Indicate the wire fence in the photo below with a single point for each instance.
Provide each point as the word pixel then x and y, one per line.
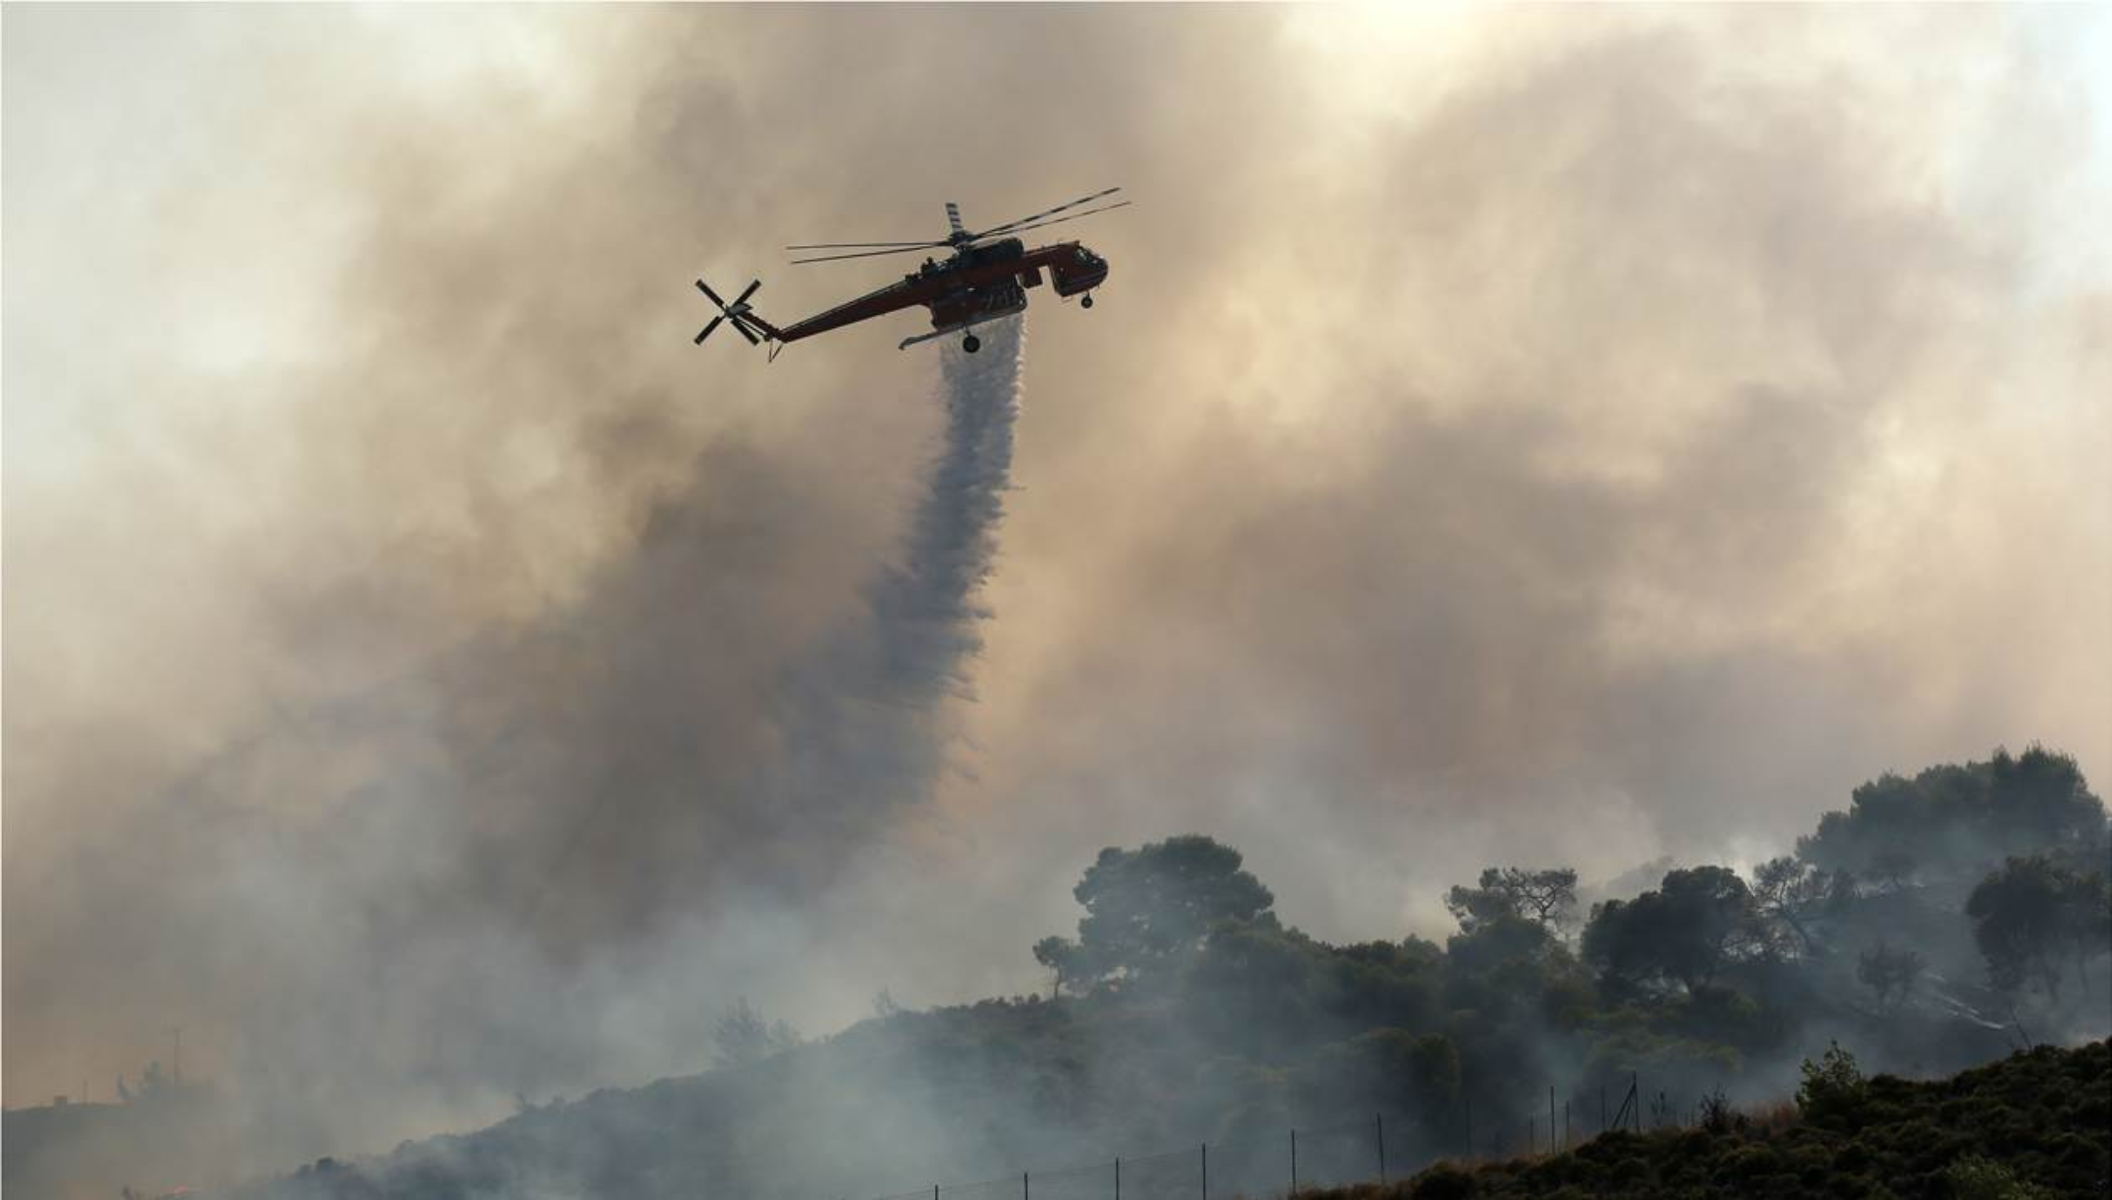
pixel 1379 1148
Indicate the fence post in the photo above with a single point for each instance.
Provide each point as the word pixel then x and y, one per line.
pixel 1206 1171
pixel 1118 1177
pixel 1550 1118
pixel 1024 1188
pixel 1379 1119
pixel 1294 1162
pixel 1565 1124
pixel 1635 1092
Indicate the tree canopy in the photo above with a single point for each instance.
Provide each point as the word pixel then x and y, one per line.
pixel 1684 931
pixel 1547 897
pixel 1959 822
pixel 2031 915
pixel 1149 907
pixel 742 1035
pixel 1793 893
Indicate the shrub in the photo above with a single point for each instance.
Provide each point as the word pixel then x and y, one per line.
pixel 1444 1182
pixel 1834 1091
pixel 1717 1115
pixel 1975 1178
pixel 1748 1162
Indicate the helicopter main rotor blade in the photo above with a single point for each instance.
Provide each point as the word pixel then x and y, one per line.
pixel 1013 225
pixel 864 245
pixel 1074 216
pixel 868 253
pixel 749 291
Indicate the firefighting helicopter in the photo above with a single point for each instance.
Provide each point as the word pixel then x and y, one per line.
pixel 985 278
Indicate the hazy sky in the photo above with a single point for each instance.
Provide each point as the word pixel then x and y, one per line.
pixel 1522 435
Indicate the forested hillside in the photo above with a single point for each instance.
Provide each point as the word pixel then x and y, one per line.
pixel 1939 922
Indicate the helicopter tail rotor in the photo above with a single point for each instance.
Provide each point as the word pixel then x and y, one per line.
pixel 739 314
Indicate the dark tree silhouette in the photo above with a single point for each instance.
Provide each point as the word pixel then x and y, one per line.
pixel 1700 919
pixel 742 1036
pixel 1893 869
pixel 1957 822
pixel 1890 972
pixel 1546 896
pixel 1149 907
pixel 2088 922
pixel 1063 958
pixel 2032 912
pixel 1791 893
pixel 2017 922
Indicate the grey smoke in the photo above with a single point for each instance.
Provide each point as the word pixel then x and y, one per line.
pixel 537 838
pixel 858 711
pixel 1674 330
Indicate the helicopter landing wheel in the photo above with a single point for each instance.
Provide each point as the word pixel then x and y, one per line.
pixel 971 343
pixel 1086 301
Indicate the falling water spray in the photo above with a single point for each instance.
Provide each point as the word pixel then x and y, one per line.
pixel 859 709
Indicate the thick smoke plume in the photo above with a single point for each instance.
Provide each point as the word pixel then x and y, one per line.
pixel 1547 436
pixel 608 745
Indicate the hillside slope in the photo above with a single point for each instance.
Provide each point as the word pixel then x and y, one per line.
pixel 2038 1124
pixel 1188 1014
